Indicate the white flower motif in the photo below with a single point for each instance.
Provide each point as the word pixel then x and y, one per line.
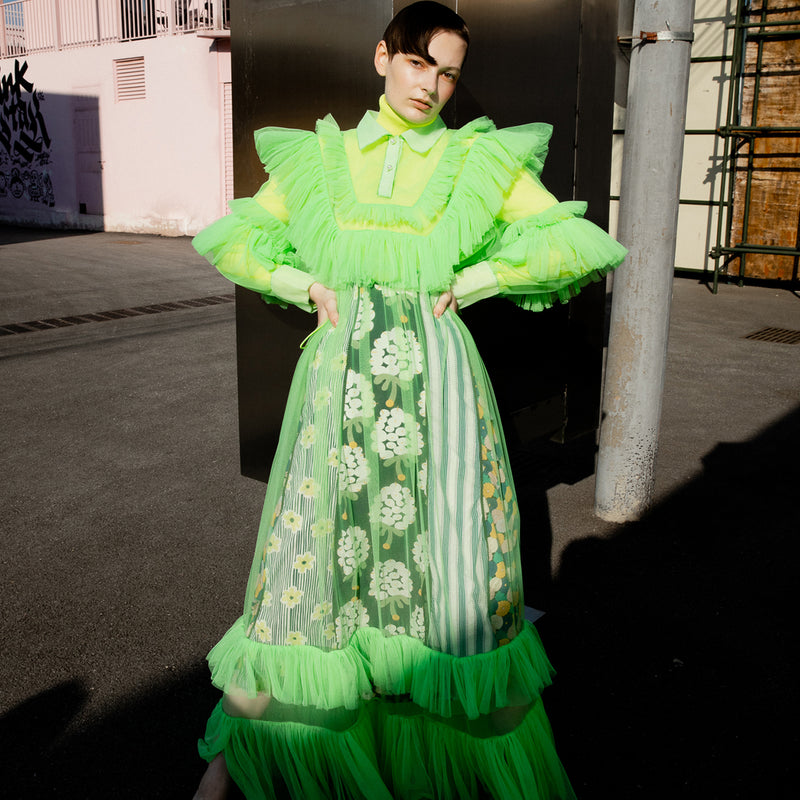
pixel 291 596
pixel 304 562
pixel 309 488
pixel 333 457
pixel 499 519
pixel 418 623
pixel 352 615
pixel 321 610
pixel 393 580
pixel 422 477
pixel 273 544
pixel 339 362
pixel 396 352
pixel 322 397
pixel 308 436
pixel 266 599
pixel 295 637
pixel 495 585
pixel 364 320
pixel 394 434
pixel 420 553
pixel 262 631
pixel 321 528
pixel 353 549
pixel 353 469
pixel 421 403
pixel 492 545
pixel 359 400
pixel 397 507
pixel 292 520
pixel 394 630
pixel 329 632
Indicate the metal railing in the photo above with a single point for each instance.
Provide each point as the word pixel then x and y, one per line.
pixel 31 26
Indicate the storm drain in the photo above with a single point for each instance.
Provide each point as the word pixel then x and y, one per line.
pixel 780 335
pixel 119 313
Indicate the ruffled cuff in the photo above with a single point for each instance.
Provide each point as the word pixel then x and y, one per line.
pixel 249 247
pixel 549 257
pixel 474 283
pixel 291 285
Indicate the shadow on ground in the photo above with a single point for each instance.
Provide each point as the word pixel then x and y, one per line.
pixel 675 641
pixel 145 748
pixel 676 638
pixel 14 234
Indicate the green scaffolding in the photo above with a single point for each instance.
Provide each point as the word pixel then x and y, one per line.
pixel 750 25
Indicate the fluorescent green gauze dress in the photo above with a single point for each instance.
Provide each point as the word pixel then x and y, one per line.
pixel 383 650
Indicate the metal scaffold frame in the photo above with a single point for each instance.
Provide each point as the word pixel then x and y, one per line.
pixel 738 135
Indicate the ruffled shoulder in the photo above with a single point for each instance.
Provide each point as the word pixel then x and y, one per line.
pixel 344 241
pixel 274 145
pixel 525 144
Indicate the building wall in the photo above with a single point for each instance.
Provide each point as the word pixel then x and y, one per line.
pixel 74 155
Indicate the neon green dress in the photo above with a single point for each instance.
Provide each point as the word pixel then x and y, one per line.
pixel 383 650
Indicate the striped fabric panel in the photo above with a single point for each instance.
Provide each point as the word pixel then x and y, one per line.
pixel 459 622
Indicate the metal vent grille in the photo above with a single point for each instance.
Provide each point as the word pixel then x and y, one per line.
pixel 119 313
pixel 780 335
pixel 129 79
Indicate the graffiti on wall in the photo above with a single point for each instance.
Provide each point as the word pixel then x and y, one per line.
pixel 24 140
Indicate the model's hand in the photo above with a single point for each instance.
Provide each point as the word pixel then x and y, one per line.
pixel 325 300
pixel 446 300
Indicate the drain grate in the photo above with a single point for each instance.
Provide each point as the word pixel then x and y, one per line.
pixel 119 313
pixel 780 335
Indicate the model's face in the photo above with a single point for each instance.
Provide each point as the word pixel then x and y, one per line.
pixel 416 88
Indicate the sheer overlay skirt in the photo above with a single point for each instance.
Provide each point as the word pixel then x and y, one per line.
pixel 383 651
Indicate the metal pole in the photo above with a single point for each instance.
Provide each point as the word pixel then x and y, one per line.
pixel 642 288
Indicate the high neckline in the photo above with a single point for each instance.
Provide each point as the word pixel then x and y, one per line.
pixel 375 126
pixel 395 124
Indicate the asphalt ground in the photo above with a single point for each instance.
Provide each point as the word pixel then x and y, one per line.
pixel 127 531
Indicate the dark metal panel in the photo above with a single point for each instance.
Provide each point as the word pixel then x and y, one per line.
pixel 595 97
pixel 292 63
pixel 296 61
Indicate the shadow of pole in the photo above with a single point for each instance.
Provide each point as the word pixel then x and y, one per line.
pixel 676 637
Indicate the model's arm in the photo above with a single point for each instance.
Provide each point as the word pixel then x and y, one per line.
pixel 250 248
pixel 546 252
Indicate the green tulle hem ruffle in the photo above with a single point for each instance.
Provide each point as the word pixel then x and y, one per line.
pixel 276 760
pixel 390 751
pixel 513 674
pixel 427 758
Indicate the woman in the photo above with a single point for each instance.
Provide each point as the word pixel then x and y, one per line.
pixel 383 650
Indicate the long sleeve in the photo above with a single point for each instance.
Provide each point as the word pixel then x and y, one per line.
pixel 250 247
pixel 545 252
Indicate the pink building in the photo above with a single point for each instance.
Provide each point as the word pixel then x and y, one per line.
pixel 115 114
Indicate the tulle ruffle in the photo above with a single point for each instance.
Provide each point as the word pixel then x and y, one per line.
pixel 274 760
pixel 514 674
pixel 423 757
pixel 552 255
pixel 347 243
pixel 391 750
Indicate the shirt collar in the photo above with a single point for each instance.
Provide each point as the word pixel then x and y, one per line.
pixel 375 126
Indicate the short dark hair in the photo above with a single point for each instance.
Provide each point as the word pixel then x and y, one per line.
pixel 413 27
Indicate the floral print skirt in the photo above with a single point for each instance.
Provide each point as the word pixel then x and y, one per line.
pixel 396 508
pixel 386 568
